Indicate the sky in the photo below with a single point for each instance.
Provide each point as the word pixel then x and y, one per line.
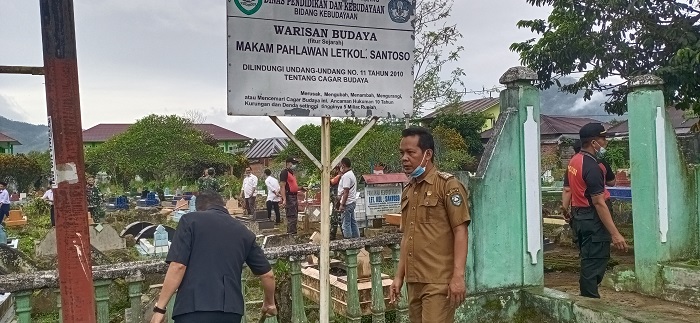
pixel 137 58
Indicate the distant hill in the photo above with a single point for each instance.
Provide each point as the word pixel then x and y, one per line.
pixel 32 137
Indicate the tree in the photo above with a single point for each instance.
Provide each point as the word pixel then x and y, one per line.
pixel 451 150
pixel 433 37
pixel 43 159
pixel 467 125
pixel 614 39
pixel 20 170
pixel 159 148
pixel 379 145
pixel 342 132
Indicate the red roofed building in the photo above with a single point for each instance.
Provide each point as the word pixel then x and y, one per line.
pixel 228 140
pixel 554 130
pixel 7 144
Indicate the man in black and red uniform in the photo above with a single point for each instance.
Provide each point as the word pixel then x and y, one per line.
pixel 566 193
pixel 595 229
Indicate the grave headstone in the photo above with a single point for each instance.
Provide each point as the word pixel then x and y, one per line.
pixel 182 204
pixel 192 204
pixel 14 261
pixel 106 239
pixel 148 232
pixel 16 218
pixel 160 245
pixel 160 236
pixel 166 191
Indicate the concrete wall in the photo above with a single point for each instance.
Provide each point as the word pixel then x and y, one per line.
pixel 664 191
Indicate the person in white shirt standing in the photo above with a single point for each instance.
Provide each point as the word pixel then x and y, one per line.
pixel 249 190
pixel 273 196
pixel 347 189
pixel 48 197
pixel 4 201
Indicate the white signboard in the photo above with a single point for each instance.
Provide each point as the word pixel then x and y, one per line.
pixel 381 200
pixel 320 57
pixel 52 152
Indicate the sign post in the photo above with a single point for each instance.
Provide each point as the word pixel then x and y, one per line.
pixel 321 58
pixel 63 104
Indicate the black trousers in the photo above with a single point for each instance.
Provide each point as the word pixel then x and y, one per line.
pixel 292 213
pixel 4 211
pixel 272 205
pixel 572 224
pixel 208 317
pixel 594 246
pixel 53 217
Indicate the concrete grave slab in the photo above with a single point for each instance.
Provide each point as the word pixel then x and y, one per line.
pixel 278 240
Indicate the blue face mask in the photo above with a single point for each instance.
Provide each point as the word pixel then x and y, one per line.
pixel 600 152
pixel 420 169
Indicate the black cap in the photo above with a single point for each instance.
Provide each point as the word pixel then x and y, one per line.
pixel 292 160
pixel 592 130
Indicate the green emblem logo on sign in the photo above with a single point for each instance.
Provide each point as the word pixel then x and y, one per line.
pixel 248 7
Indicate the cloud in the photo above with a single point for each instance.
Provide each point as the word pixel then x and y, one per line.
pixel 10 109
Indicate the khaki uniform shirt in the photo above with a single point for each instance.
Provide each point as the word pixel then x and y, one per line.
pixel 430 208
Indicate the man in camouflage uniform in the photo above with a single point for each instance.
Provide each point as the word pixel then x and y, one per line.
pixel 208 181
pixel 94 199
pixel 335 214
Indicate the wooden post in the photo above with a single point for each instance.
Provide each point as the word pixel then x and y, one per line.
pixel 63 107
pixel 325 260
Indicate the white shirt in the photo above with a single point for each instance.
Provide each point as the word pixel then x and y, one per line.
pixel 348 180
pixel 272 186
pixel 250 185
pixel 48 195
pixel 4 197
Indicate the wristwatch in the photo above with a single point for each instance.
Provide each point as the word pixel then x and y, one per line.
pixel 159 310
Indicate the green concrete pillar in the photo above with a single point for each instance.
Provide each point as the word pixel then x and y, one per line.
pixel 298 308
pixel 102 300
pixel 378 305
pixel 505 236
pixel 23 306
pixel 58 305
pixel 402 306
pixel 352 299
pixel 135 284
pixel 664 196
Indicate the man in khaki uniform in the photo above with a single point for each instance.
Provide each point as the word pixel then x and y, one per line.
pixel 434 220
